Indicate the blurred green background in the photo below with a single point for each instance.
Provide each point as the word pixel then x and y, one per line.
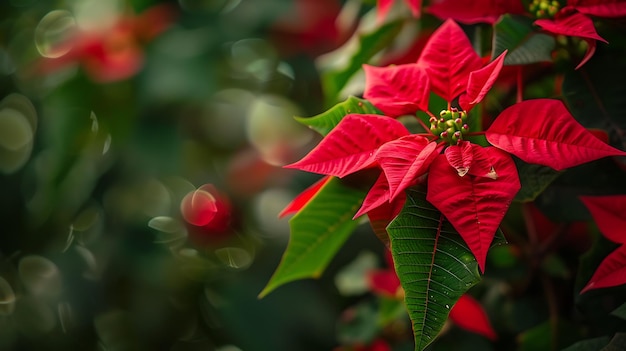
pixel 111 113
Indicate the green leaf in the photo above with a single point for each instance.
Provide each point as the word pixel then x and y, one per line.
pixel 594 344
pixel 317 233
pixel 367 45
pixel 434 265
pixel 352 279
pixel 390 310
pixel 326 121
pixel 549 336
pixel 361 326
pixel 617 343
pixel 620 312
pixel 534 179
pixel 595 94
pixel 525 45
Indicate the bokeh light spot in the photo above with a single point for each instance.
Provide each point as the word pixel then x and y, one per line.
pixel 52 33
pixel 199 207
pixel 7 298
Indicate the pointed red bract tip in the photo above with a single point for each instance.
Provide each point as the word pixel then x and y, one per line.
pixel 300 201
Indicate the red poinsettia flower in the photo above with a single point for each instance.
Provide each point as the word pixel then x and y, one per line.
pixel 467 313
pixel 208 213
pixel 385 5
pixel 571 20
pixel 115 52
pixel 608 212
pixel 470 184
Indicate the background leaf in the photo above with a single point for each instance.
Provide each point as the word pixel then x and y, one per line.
pixel 589 344
pixel 434 265
pixel 595 94
pixel 317 232
pixel 534 179
pixel 525 45
pixel 326 121
pixel 368 44
pixel 548 336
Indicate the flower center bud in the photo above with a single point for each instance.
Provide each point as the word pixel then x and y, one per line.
pixel 544 8
pixel 450 126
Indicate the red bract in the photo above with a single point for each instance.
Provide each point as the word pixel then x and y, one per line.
pixel 542 131
pixel 480 82
pixel 608 213
pixel 112 53
pixel 600 8
pixel 351 145
pixel 574 25
pixel 378 196
pixel 571 20
pixel 474 204
pixel 385 5
pixel 397 90
pixel 448 66
pixel 405 160
pixel 471 185
pixel 303 198
pixel 470 12
pixel 449 58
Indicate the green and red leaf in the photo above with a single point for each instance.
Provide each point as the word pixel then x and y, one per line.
pixel 542 131
pixel 397 90
pixel 351 145
pixel 449 58
pixel 475 205
pixel 404 160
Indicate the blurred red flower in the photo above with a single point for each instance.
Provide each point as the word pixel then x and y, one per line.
pixel 376 345
pixel 313 27
pixel 114 52
pixel 208 213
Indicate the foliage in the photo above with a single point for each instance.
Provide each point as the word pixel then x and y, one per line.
pixel 475 148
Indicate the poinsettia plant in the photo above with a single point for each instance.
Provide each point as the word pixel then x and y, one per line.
pixel 416 157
